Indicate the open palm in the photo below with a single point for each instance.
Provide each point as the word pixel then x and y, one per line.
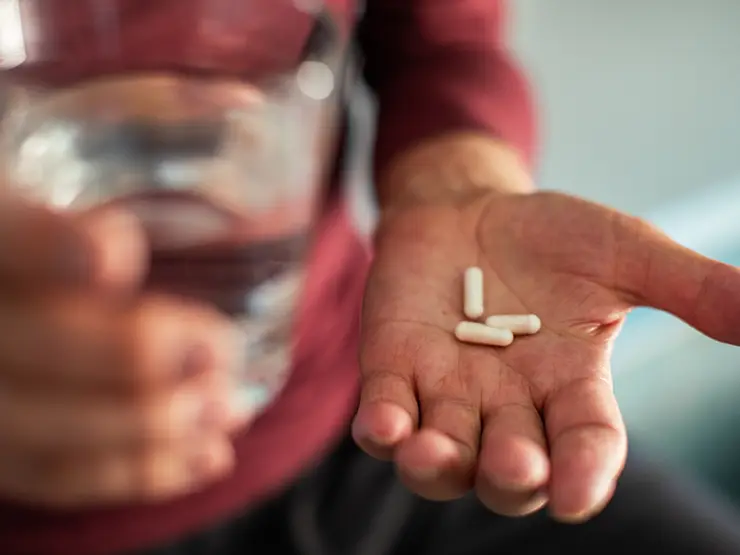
pixel 537 421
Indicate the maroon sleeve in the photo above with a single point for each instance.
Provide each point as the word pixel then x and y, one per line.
pixel 441 66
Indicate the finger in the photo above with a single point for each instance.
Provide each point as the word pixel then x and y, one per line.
pixel 49 422
pixel 513 466
pixel 388 411
pixel 77 343
pixel 40 248
pixel 387 414
pixel 588 448
pixel 119 248
pixel 439 461
pixel 91 479
pixel 657 272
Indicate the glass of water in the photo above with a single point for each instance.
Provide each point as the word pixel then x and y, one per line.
pixel 212 120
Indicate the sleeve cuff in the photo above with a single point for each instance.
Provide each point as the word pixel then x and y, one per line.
pixel 458 92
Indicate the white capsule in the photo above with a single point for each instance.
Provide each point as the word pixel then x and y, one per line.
pixel 518 324
pixel 480 334
pixel 473 293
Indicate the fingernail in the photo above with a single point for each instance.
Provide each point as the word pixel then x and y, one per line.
pixel 602 496
pixel 573 518
pixel 384 424
pixel 600 499
pixel 537 502
pixel 120 257
pixel 438 448
pixel 363 431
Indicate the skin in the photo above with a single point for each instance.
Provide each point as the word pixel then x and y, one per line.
pixel 119 396
pixel 535 423
pixel 113 397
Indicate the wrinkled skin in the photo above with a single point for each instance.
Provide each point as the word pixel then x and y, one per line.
pixel 535 423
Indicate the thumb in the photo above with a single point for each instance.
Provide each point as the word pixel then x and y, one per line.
pixel 118 245
pixel 42 248
pixel 657 272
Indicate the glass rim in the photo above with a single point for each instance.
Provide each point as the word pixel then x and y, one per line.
pixel 31 48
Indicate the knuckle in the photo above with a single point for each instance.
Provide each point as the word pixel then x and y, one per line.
pixel 446 408
pixel 384 385
pixel 458 418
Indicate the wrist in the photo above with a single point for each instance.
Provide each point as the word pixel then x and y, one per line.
pixel 451 167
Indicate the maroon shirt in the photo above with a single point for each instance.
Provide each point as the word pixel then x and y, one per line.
pixel 437 66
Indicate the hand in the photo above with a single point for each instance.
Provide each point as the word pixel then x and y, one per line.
pixel 105 397
pixel 535 422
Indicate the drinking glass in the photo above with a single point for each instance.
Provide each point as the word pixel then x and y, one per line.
pixel 211 120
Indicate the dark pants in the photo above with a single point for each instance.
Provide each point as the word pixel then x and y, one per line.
pixel 352 505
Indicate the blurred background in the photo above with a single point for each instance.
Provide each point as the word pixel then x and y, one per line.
pixel 640 109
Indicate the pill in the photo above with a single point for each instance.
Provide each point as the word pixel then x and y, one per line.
pixel 473 293
pixel 518 324
pixel 481 334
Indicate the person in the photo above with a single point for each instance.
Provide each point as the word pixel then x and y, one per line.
pixel 467 445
